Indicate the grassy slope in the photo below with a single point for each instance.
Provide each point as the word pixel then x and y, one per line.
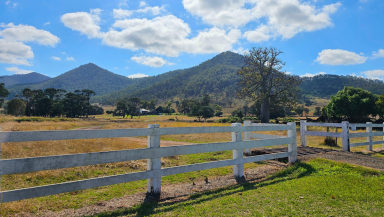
pixel 317 188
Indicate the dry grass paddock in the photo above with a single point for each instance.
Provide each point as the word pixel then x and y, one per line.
pixel 76 199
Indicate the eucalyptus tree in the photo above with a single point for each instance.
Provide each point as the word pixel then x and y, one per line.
pixel 261 79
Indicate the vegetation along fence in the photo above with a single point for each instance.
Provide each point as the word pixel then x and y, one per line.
pixel 345 134
pixel 153 154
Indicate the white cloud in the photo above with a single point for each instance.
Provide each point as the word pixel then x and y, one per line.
pixel 240 50
pixel 283 17
pixel 18 71
pixel 121 13
pixel 138 75
pixel 374 74
pixel 70 58
pixel 24 33
pixel 149 61
pixel 167 35
pixel 13 52
pixel 115 67
pixel 142 4
pixel 126 67
pixel 340 57
pixel 7 2
pixel 378 54
pixel 86 23
pixel 47 23
pixel 55 58
pixel 312 75
pixel 123 3
pixel 262 33
pixel 154 10
pixel 63 52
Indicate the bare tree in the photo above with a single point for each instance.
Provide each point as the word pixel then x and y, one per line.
pixel 261 79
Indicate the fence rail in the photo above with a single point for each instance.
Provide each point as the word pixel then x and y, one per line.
pixel 153 154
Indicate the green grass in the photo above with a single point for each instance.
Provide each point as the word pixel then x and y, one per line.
pixel 317 188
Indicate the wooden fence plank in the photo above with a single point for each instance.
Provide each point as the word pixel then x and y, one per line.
pixel 354 135
pixel 265 136
pixel 316 133
pixel 365 143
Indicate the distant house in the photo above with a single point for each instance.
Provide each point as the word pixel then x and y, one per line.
pixel 145 111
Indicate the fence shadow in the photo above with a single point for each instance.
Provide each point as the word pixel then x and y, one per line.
pixel 152 207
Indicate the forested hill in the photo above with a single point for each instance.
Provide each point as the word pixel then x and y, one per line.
pixel 325 85
pixel 32 77
pixel 216 76
pixel 88 76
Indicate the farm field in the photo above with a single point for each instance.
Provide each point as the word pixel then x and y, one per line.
pixel 88 197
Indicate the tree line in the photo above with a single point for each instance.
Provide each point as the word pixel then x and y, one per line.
pixel 53 102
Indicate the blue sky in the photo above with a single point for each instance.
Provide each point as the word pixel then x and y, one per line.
pixel 152 37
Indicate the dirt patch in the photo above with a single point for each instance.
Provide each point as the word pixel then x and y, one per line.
pixel 350 158
pixel 169 193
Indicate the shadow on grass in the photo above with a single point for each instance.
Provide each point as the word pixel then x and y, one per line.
pixel 296 171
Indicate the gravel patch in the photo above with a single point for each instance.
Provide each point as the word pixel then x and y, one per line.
pixel 350 158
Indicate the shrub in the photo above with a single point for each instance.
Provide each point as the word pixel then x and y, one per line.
pixel 330 141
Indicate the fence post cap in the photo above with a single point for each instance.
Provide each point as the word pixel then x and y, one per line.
pixel 235 124
pixel 247 122
pixel 303 121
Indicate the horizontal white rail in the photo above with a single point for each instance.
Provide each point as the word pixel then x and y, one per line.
pixel 265 136
pixel 97 134
pixel 323 124
pixel 46 190
pixel 366 125
pixel 366 143
pixel 354 135
pixel 23 165
pixel 316 133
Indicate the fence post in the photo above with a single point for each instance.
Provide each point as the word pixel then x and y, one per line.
pixel 154 184
pixel 238 169
pixel 370 137
pixel 303 129
pixel 247 137
pixel 345 132
pixel 293 146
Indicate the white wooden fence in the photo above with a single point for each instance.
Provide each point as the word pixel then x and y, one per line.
pixel 153 153
pixel 345 133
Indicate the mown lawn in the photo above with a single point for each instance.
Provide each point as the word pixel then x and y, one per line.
pixel 317 188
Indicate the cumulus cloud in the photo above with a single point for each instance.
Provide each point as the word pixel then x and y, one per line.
pixel 18 71
pixel 55 58
pixel 47 23
pixel 262 33
pixel 86 23
pixel 168 35
pixel 149 61
pixel 138 75
pixel 154 10
pixel 378 54
pixel 283 17
pixel 121 13
pixel 340 57
pixel 312 75
pixel 13 52
pixel 25 33
pixel 374 74
pixel 70 58
pixel 142 4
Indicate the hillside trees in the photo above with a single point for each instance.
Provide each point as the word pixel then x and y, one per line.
pixel 261 80
pixel 3 93
pixel 16 107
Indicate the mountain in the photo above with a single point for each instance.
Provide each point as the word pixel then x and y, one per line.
pixel 215 76
pixel 88 76
pixel 32 77
pixel 325 85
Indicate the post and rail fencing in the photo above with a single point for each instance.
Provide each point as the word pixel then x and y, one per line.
pixel 345 133
pixel 153 154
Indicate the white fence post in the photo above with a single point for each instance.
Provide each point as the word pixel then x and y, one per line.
pixel 369 138
pixel 345 131
pixel 154 184
pixel 293 146
pixel 303 129
pixel 238 169
pixel 247 137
